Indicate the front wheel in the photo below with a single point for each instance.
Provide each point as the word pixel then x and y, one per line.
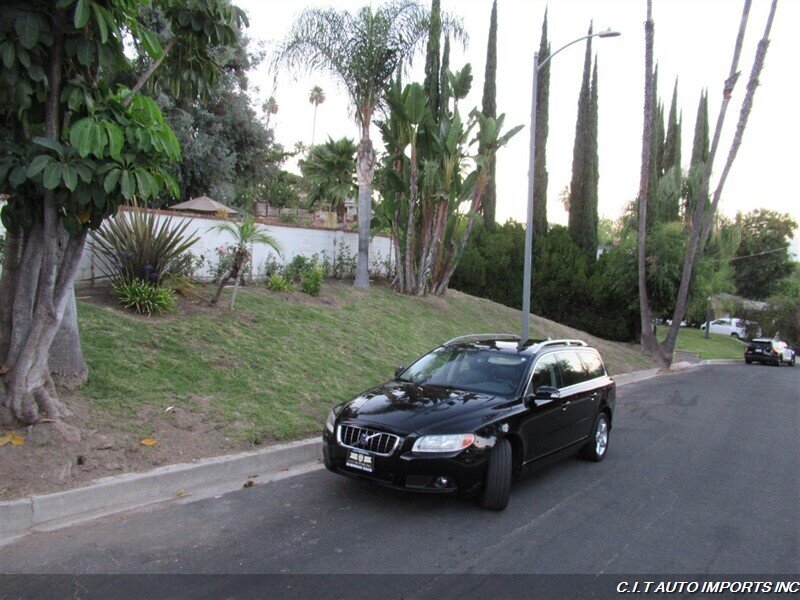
pixel 597 446
pixel 497 486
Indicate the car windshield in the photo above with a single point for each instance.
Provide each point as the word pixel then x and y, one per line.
pixel 486 371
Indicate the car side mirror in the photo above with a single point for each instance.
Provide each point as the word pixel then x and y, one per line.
pixel 542 395
pixel 399 370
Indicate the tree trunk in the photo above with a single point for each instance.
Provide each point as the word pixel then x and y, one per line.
pixel 48 262
pixel 236 289
pixel 365 169
pixel 65 361
pixel 648 338
pixel 744 114
pixel 692 246
pixel 412 203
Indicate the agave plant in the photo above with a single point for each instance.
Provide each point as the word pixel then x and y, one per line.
pixel 244 234
pixel 137 245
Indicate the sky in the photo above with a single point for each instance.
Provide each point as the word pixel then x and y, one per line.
pixel 694 42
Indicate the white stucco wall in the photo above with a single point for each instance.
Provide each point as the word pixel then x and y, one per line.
pixel 293 240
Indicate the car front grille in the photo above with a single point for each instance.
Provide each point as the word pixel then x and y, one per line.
pixel 361 438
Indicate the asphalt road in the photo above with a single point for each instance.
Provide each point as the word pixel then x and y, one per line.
pixel 702 476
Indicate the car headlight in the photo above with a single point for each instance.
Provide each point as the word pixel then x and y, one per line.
pixel 443 443
pixel 331 421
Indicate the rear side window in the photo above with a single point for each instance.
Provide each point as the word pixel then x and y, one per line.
pixel 545 373
pixel 594 366
pixel 572 370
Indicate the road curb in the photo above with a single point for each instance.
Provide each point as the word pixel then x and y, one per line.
pixel 134 490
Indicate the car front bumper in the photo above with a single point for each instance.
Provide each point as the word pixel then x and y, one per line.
pixel 404 470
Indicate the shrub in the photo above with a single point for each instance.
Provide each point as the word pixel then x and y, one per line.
pixel 145 298
pixel 312 281
pixel 279 283
pixel 298 267
pixel 135 245
pixel 344 263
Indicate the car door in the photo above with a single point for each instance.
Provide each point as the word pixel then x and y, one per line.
pixel 578 398
pixel 542 423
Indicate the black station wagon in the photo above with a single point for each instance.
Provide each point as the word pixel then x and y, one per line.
pixel 469 415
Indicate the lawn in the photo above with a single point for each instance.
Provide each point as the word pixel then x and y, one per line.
pixel 717 346
pixel 271 369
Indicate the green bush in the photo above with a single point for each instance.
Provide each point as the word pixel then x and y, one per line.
pixel 298 267
pixel 312 281
pixel 145 298
pixel 279 283
pixel 134 245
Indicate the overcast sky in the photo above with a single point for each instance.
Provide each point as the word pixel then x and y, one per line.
pixel 693 41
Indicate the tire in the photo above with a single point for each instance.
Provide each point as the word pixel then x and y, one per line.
pixel 748 361
pixel 735 335
pixel 597 446
pixel 497 485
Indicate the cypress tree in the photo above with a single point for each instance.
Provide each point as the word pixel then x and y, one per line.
pixel 542 129
pixel 593 172
pixel 431 83
pixel 672 143
pixel 489 109
pixel 700 144
pixel 700 149
pixel 669 197
pixel 578 199
pixel 445 86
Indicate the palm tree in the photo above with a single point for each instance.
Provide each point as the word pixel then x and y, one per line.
pixel 245 234
pixel 363 50
pixel 328 174
pixel 316 97
pixel 270 107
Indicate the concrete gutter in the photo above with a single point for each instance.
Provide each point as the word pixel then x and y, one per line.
pixel 192 481
pixel 182 482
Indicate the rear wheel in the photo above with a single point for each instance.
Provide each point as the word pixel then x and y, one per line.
pixel 597 446
pixel 497 486
pixel 748 361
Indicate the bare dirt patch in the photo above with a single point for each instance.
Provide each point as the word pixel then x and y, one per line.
pixel 54 458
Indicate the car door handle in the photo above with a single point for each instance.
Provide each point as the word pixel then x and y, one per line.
pixel 565 404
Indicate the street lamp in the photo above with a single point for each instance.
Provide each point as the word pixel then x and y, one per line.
pixel 526 283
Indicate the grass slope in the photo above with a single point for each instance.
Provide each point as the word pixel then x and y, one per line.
pixel 271 369
pixel 694 340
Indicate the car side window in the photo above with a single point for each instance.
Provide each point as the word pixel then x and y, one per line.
pixel 572 370
pixel 593 363
pixel 545 373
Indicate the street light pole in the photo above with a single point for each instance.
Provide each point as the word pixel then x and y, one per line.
pixel 526 282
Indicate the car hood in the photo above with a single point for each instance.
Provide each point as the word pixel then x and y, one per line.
pixel 424 409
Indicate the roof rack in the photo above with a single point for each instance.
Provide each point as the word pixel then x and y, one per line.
pixel 562 342
pixel 483 337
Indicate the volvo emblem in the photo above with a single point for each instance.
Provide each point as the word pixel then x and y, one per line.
pixel 362 439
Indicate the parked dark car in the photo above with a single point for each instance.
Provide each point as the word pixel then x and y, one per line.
pixel 469 415
pixel 773 352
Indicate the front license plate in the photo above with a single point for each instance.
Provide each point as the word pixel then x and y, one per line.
pixel 361 461
pixel 759 351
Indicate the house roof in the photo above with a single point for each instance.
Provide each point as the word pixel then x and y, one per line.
pixel 203 204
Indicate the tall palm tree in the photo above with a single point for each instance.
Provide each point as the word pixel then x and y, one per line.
pixel 316 97
pixel 271 108
pixel 363 50
pixel 245 234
